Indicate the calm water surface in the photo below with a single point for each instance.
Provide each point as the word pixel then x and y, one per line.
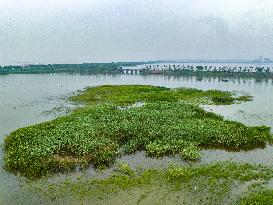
pixel 29 99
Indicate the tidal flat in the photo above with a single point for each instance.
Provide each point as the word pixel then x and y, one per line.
pixel 166 122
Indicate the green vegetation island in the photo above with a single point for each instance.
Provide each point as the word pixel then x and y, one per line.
pixel 119 120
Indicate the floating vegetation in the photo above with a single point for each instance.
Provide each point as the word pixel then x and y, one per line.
pixel 191 153
pixel 130 94
pixel 168 122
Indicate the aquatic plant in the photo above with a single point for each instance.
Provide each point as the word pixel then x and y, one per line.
pixel 129 94
pixel 96 134
pixel 259 197
pixel 191 153
pixel 202 184
pixel 125 169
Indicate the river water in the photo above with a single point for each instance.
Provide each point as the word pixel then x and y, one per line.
pixel 27 99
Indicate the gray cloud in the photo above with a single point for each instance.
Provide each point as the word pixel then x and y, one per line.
pixel 123 30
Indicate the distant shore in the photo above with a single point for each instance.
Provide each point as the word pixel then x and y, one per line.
pixel 144 68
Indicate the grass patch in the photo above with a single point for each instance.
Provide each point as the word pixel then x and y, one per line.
pixel 100 132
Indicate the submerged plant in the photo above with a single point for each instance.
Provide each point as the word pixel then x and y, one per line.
pixel 258 197
pixel 217 183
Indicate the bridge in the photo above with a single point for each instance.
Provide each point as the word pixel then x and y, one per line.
pixel 131 71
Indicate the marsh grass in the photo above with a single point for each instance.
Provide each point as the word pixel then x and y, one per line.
pixel 169 122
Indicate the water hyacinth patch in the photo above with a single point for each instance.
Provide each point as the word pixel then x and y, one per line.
pixel 190 153
pixel 100 132
pixel 129 94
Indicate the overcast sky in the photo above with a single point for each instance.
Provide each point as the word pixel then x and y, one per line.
pixel 59 31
